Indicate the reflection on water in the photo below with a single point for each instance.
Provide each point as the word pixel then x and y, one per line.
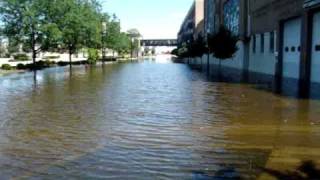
pixel 148 120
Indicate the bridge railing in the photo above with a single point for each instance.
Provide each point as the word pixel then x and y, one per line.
pixel 158 42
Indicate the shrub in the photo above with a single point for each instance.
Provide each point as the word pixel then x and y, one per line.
pixel 183 52
pixel 223 45
pixel 62 63
pixel 6 67
pixel 175 51
pixel 48 63
pixel 39 65
pixel 51 57
pixel 21 57
pixel 197 48
pixel 21 66
pixel 93 56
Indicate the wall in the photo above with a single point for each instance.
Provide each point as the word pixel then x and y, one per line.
pixel 266 14
pixel 263 62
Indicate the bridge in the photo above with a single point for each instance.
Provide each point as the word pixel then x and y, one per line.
pixel 158 42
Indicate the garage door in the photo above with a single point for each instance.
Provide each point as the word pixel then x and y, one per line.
pixel 315 58
pixel 291 48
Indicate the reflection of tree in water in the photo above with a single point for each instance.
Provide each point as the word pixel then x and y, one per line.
pixel 307 170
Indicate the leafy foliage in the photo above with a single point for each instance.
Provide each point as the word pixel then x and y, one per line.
pixel 223 44
pixel 60 26
pixel 26 23
pixel 21 57
pixel 93 56
pixel 197 48
pixel 6 67
pixel 123 45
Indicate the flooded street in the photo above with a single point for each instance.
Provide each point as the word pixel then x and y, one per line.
pixel 148 120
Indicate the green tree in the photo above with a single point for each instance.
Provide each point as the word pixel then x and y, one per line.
pixel 93 56
pixel 26 23
pixel 197 48
pixel 80 25
pixel 223 44
pixel 13 46
pixel 113 33
pixel 123 45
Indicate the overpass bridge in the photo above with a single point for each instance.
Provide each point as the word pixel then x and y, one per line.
pixel 158 42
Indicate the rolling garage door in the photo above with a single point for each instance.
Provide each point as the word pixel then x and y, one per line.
pixel 315 57
pixel 291 48
pixel 291 56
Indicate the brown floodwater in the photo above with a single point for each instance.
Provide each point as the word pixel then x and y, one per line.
pixel 148 120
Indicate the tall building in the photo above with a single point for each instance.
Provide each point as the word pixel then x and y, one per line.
pixel 210 19
pixel 193 25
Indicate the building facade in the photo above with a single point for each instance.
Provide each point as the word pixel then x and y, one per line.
pixel 193 25
pixel 279 42
pixel 210 22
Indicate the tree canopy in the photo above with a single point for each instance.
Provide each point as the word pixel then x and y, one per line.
pixel 223 44
pixel 67 25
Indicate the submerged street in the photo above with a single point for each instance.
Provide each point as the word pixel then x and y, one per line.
pixel 151 119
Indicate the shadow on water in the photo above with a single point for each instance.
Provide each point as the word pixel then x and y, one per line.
pixel 228 173
pixel 307 170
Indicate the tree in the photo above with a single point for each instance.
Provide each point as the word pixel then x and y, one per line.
pixel 223 44
pixel 134 33
pixel 146 50
pixel 26 23
pixel 183 51
pixel 80 25
pixel 113 33
pixel 153 51
pixel 197 48
pixel 123 45
pixel 175 52
pixel 2 47
pixel 13 46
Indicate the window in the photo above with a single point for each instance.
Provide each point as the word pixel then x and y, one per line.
pixel 231 15
pixel 262 43
pixel 254 43
pixel 272 42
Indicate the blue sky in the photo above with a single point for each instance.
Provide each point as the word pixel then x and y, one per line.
pixel 153 18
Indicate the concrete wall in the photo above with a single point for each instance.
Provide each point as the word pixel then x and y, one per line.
pixel 266 14
pixel 264 63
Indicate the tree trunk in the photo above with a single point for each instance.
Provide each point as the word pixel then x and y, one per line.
pixel 34 56
pixel 34 51
pixel 70 57
pixel 103 55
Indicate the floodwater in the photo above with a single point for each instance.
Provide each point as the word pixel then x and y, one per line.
pixel 148 120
